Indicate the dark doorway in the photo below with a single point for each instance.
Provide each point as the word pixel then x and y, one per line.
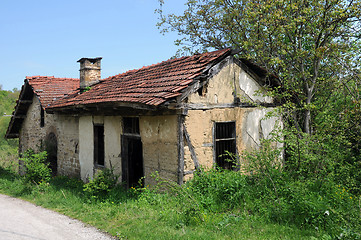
pixel 132 161
pixel 99 145
pixel 51 147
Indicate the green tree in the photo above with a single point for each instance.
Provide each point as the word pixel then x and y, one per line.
pixel 302 42
pixel 313 47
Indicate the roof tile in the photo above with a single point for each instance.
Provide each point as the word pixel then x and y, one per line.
pixel 151 85
pixel 49 89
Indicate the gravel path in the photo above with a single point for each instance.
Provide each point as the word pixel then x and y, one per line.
pixel 22 220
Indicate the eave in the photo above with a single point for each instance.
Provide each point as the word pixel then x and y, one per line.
pixel 21 109
pixel 113 109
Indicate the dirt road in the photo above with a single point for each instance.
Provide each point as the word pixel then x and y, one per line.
pixel 23 220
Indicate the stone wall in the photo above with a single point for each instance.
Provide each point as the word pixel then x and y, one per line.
pixel 65 128
pixel 31 134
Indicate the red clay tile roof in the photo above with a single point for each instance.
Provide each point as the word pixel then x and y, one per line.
pixel 50 89
pixel 47 89
pixel 151 85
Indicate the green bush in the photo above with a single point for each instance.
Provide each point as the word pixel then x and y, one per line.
pixel 100 186
pixel 35 166
pixel 218 189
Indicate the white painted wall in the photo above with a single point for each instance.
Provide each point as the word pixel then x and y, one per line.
pixel 86 152
pixel 250 87
pixel 112 142
pixel 257 126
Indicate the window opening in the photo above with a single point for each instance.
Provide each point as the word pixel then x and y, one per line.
pixel 225 141
pixel 131 125
pixel 202 90
pixel 42 117
pixel 99 145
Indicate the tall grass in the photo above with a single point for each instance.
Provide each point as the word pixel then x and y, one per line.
pixel 214 205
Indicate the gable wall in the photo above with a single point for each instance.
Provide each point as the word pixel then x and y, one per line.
pixel 216 106
pixel 230 82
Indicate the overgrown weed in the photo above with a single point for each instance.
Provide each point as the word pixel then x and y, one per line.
pixel 215 200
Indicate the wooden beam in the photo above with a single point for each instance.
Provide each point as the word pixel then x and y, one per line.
pixel 25 101
pixel 188 172
pixel 205 106
pixel 12 135
pixel 180 150
pixel 20 116
pixel 191 148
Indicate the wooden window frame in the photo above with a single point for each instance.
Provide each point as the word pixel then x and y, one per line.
pixel 131 126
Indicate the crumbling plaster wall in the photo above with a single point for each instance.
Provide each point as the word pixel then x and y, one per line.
pixel 68 145
pixel 229 82
pixel 160 146
pixel 86 147
pixel 159 139
pixel 252 124
pixel 113 128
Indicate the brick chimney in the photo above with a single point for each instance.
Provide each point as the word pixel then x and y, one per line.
pixel 89 71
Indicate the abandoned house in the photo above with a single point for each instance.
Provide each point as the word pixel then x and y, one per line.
pixel 170 117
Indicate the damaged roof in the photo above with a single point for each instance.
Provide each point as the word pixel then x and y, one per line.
pixel 147 87
pixel 50 89
pixel 150 85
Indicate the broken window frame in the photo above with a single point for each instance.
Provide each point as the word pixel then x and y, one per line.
pixel 99 145
pixel 131 126
pixel 225 140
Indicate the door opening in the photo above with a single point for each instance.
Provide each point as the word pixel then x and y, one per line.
pixel 132 153
pixel 132 161
pixel 51 147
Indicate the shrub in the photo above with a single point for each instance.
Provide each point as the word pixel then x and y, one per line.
pixel 101 184
pixel 218 189
pixel 35 167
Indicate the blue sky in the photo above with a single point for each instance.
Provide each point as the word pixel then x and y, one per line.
pixel 46 37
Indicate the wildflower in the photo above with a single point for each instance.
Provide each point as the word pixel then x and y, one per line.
pixel 327 213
